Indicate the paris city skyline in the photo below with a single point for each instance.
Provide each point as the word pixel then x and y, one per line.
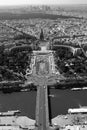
pixel 40 2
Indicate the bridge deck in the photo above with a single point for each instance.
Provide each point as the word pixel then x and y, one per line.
pixel 42 112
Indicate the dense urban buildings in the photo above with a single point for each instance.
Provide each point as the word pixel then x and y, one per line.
pixel 43 47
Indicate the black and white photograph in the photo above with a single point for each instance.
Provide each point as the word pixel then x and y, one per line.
pixel 43 64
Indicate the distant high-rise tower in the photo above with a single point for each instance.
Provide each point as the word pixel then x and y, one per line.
pixel 41 35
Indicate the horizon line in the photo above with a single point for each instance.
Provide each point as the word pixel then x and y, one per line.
pixel 43 4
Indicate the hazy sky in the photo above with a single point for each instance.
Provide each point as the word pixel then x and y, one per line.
pixel 21 2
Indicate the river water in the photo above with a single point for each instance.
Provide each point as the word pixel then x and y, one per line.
pixel 23 101
pixel 60 101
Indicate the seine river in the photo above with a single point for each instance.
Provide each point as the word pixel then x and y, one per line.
pixel 60 101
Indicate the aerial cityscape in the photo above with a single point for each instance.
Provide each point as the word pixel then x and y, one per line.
pixel 43 67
